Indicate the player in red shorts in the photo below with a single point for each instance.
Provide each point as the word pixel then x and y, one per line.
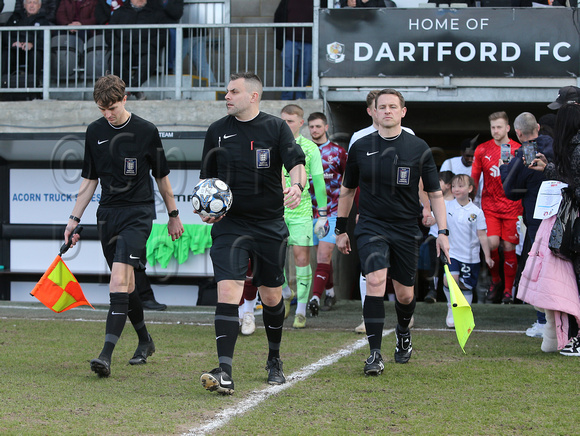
pixel 500 213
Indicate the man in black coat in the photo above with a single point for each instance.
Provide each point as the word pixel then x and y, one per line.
pixel 135 51
pixel 24 48
pixel 522 183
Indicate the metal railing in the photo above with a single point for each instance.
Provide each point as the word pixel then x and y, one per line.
pixel 64 65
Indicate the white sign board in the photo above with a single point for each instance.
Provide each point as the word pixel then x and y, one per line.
pixel 45 196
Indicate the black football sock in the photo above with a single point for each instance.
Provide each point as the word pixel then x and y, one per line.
pixel 404 314
pixel 227 325
pixel 374 316
pixel 273 321
pixel 116 319
pixel 137 318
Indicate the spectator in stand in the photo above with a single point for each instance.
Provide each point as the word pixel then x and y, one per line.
pixel 333 163
pixel 501 214
pixel 174 11
pixel 522 183
pixel 24 47
pixel 48 9
pixel 135 51
pixel 195 45
pixel 105 9
pixel 77 13
pixel 297 48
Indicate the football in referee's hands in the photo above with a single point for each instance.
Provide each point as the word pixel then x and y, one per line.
pixel 211 198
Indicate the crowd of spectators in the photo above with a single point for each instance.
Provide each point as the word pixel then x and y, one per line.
pixel 133 54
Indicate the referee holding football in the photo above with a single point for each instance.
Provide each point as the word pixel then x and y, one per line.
pixel 247 149
pixel 388 165
pixel 122 150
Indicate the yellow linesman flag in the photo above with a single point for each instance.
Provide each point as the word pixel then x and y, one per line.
pixel 58 289
pixel 462 314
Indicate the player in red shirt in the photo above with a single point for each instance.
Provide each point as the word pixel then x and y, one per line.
pixel 501 214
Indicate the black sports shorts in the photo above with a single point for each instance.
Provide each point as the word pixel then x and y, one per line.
pixel 124 231
pixel 389 245
pixel 235 241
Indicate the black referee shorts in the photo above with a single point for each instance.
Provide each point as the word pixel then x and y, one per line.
pixel 123 232
pixel 235 241
pixel 389 245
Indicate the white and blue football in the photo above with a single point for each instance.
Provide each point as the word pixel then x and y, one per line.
pixel 211 198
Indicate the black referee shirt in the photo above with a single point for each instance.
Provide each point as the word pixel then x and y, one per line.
pixel 248 156
pixel 388 172
pixel 124 158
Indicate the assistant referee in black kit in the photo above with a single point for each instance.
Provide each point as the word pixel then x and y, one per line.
pixel 247 149
pixel 387 165
pixel 122 151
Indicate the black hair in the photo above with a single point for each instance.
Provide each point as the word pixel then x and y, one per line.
pixel 567 126
pixel 446 176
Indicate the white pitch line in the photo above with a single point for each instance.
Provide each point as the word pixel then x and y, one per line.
pixel 87 309
pixel 257 397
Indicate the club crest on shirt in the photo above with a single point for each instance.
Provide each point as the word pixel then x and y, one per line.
pixel 263 158
pixel 472 218
pixel 130 166
pixel 403 174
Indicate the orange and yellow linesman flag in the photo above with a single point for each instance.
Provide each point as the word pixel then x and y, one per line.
pixel 58 289
pixel 462 314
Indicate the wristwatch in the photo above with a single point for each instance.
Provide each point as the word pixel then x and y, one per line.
pixel 443 232
pixel 299 186
pixel 174 213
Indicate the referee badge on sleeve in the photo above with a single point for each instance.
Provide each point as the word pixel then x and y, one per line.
pixel 263 158
pixel 403 174
pixel 130 166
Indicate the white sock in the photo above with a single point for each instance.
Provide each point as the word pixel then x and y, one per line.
pixel 363 289
pixel 315 297
pixel 240 311
pixel 250 305
pixel 468 294
pixel 301 308
pixel 286 292
pixel 330 292
pixel 447 293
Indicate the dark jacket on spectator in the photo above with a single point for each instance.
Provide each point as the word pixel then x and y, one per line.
pixel 74 10
pixel 173 9
pixel 48 9
pixel 18 19
pixel 522 183
pixel 105 9
pixel 127 14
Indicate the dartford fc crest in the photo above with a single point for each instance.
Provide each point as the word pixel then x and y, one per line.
pixel 335 52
